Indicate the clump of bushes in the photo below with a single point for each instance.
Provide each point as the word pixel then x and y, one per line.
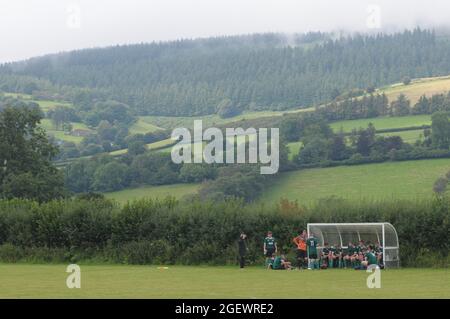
pixel 200 232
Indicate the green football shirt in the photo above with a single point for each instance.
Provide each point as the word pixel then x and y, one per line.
pixel 277 263
pixel 372 260
pixel 270 243
pixel 351 250
pixel 312 243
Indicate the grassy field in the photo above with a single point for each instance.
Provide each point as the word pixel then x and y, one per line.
pixel 399 180
pixel 151 146
pixel 142 126
pixel 46 123
pixel 417 88
pixel 407 136
pixel 160 144
pixel 170 122
pixel 381 123
pixel 402 180
pixel 294 148
pixel 45 105
pixel 176 190
pixel 118 281
pixel 59 134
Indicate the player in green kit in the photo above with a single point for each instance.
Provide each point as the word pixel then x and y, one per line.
pixel 345 258
pixel 270 246
pixel 281 263
pixel 335 256
pixel 369 258
pixel 325 256
pixel 379 253
pixel 276 263
pixel 353 253
pixel 311 244
pixel 348 255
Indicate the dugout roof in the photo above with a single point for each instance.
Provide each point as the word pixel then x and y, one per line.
pixel 340 234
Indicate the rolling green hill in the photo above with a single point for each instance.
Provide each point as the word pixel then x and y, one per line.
pixel 402 180
pixel 260 71
pixel 145 124
pixel 413 91
pixel 399 180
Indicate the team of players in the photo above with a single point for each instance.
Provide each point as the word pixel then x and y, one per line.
pixel 311 256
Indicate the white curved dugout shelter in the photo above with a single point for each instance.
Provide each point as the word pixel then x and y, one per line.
pixel 341 234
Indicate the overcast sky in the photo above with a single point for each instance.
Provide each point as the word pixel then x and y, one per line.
pixel 35 27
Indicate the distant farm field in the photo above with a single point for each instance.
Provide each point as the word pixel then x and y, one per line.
pixel 294 148
pixel 408 136
pixel 61 135
pixel 170 122
pixel 142 126
pixel 382 123
pixel 160 145
pixel 399 180
pixel 417 88
pixel 175 190
pixel 45 105
pixel 124 281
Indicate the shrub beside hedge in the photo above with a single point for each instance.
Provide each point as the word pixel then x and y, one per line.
pixel 172 232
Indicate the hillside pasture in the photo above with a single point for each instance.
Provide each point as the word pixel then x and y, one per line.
pixel 143 126
pixel 407 136
pixel 45 105
pixel 171 122
pixel 382 123
pixel 175 190
pixel 294 148
pixel 60 134
pixel 417 88
pixel 389 180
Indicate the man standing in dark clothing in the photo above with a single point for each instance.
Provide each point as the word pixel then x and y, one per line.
pixel 242 249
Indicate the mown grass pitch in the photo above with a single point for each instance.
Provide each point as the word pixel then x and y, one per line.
pixel 119 281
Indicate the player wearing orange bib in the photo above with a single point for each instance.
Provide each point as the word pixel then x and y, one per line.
pixel 300 243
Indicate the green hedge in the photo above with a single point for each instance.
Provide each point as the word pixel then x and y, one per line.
pixel 172 232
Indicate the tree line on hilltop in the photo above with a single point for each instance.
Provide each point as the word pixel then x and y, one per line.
pixel 231 74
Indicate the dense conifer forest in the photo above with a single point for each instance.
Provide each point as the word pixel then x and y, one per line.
pixel 228 75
